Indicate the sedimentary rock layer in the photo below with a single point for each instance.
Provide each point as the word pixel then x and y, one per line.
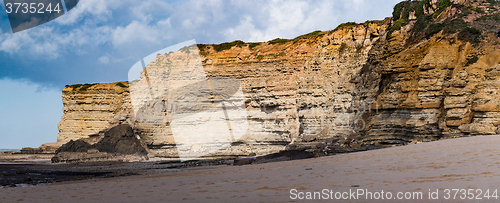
pixel 426 76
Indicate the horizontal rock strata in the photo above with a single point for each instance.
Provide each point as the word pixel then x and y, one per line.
pixel 373 82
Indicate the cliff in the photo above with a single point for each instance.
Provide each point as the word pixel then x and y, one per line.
pixel 429 72
pixel 89 108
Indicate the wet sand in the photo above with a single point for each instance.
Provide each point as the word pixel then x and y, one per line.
pixel 465 163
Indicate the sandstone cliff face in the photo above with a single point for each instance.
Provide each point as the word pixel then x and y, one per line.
pixel 435 88
pixel 89 109
pixel 427 77
pixel 291 89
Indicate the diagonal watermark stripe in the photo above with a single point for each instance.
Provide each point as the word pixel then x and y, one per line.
pixel 205 113
pixel 26 14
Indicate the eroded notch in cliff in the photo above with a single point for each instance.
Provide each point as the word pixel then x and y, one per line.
pixel 385 80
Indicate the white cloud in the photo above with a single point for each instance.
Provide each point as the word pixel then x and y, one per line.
pixel 104 59
pixel 98 10
pixel 29 43
pixel 267 20
pixel 283 19
pixel 133 25
pixel 12 43
pixel 165 23
pixel 135 32
pixel 200 13
pixel 148 10
pixel 49 43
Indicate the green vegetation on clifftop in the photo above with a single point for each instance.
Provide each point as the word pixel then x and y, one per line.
pixel 426 24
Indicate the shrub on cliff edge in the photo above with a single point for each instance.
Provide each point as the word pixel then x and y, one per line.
pixel 308 35
pixel 228 45
pixel 121 85
pixel 278 41
pixel 86 86
pixel 470 34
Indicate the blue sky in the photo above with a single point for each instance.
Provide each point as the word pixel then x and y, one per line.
pixel 99 40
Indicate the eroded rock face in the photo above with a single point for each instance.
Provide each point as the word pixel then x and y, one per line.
pixel 441 87
pixel 355 82
pixel 88 110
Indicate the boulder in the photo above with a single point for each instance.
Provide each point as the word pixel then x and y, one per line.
pixel 75 146
pixel 120 139
pixel 119 144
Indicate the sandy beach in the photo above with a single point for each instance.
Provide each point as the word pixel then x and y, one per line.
pixel 464 163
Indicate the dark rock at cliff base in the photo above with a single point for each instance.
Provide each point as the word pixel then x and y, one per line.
pixel 118 144
pixel 286 155
pixel 29 150
pixel 292 154
pixel 120 139
pixel 75 146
